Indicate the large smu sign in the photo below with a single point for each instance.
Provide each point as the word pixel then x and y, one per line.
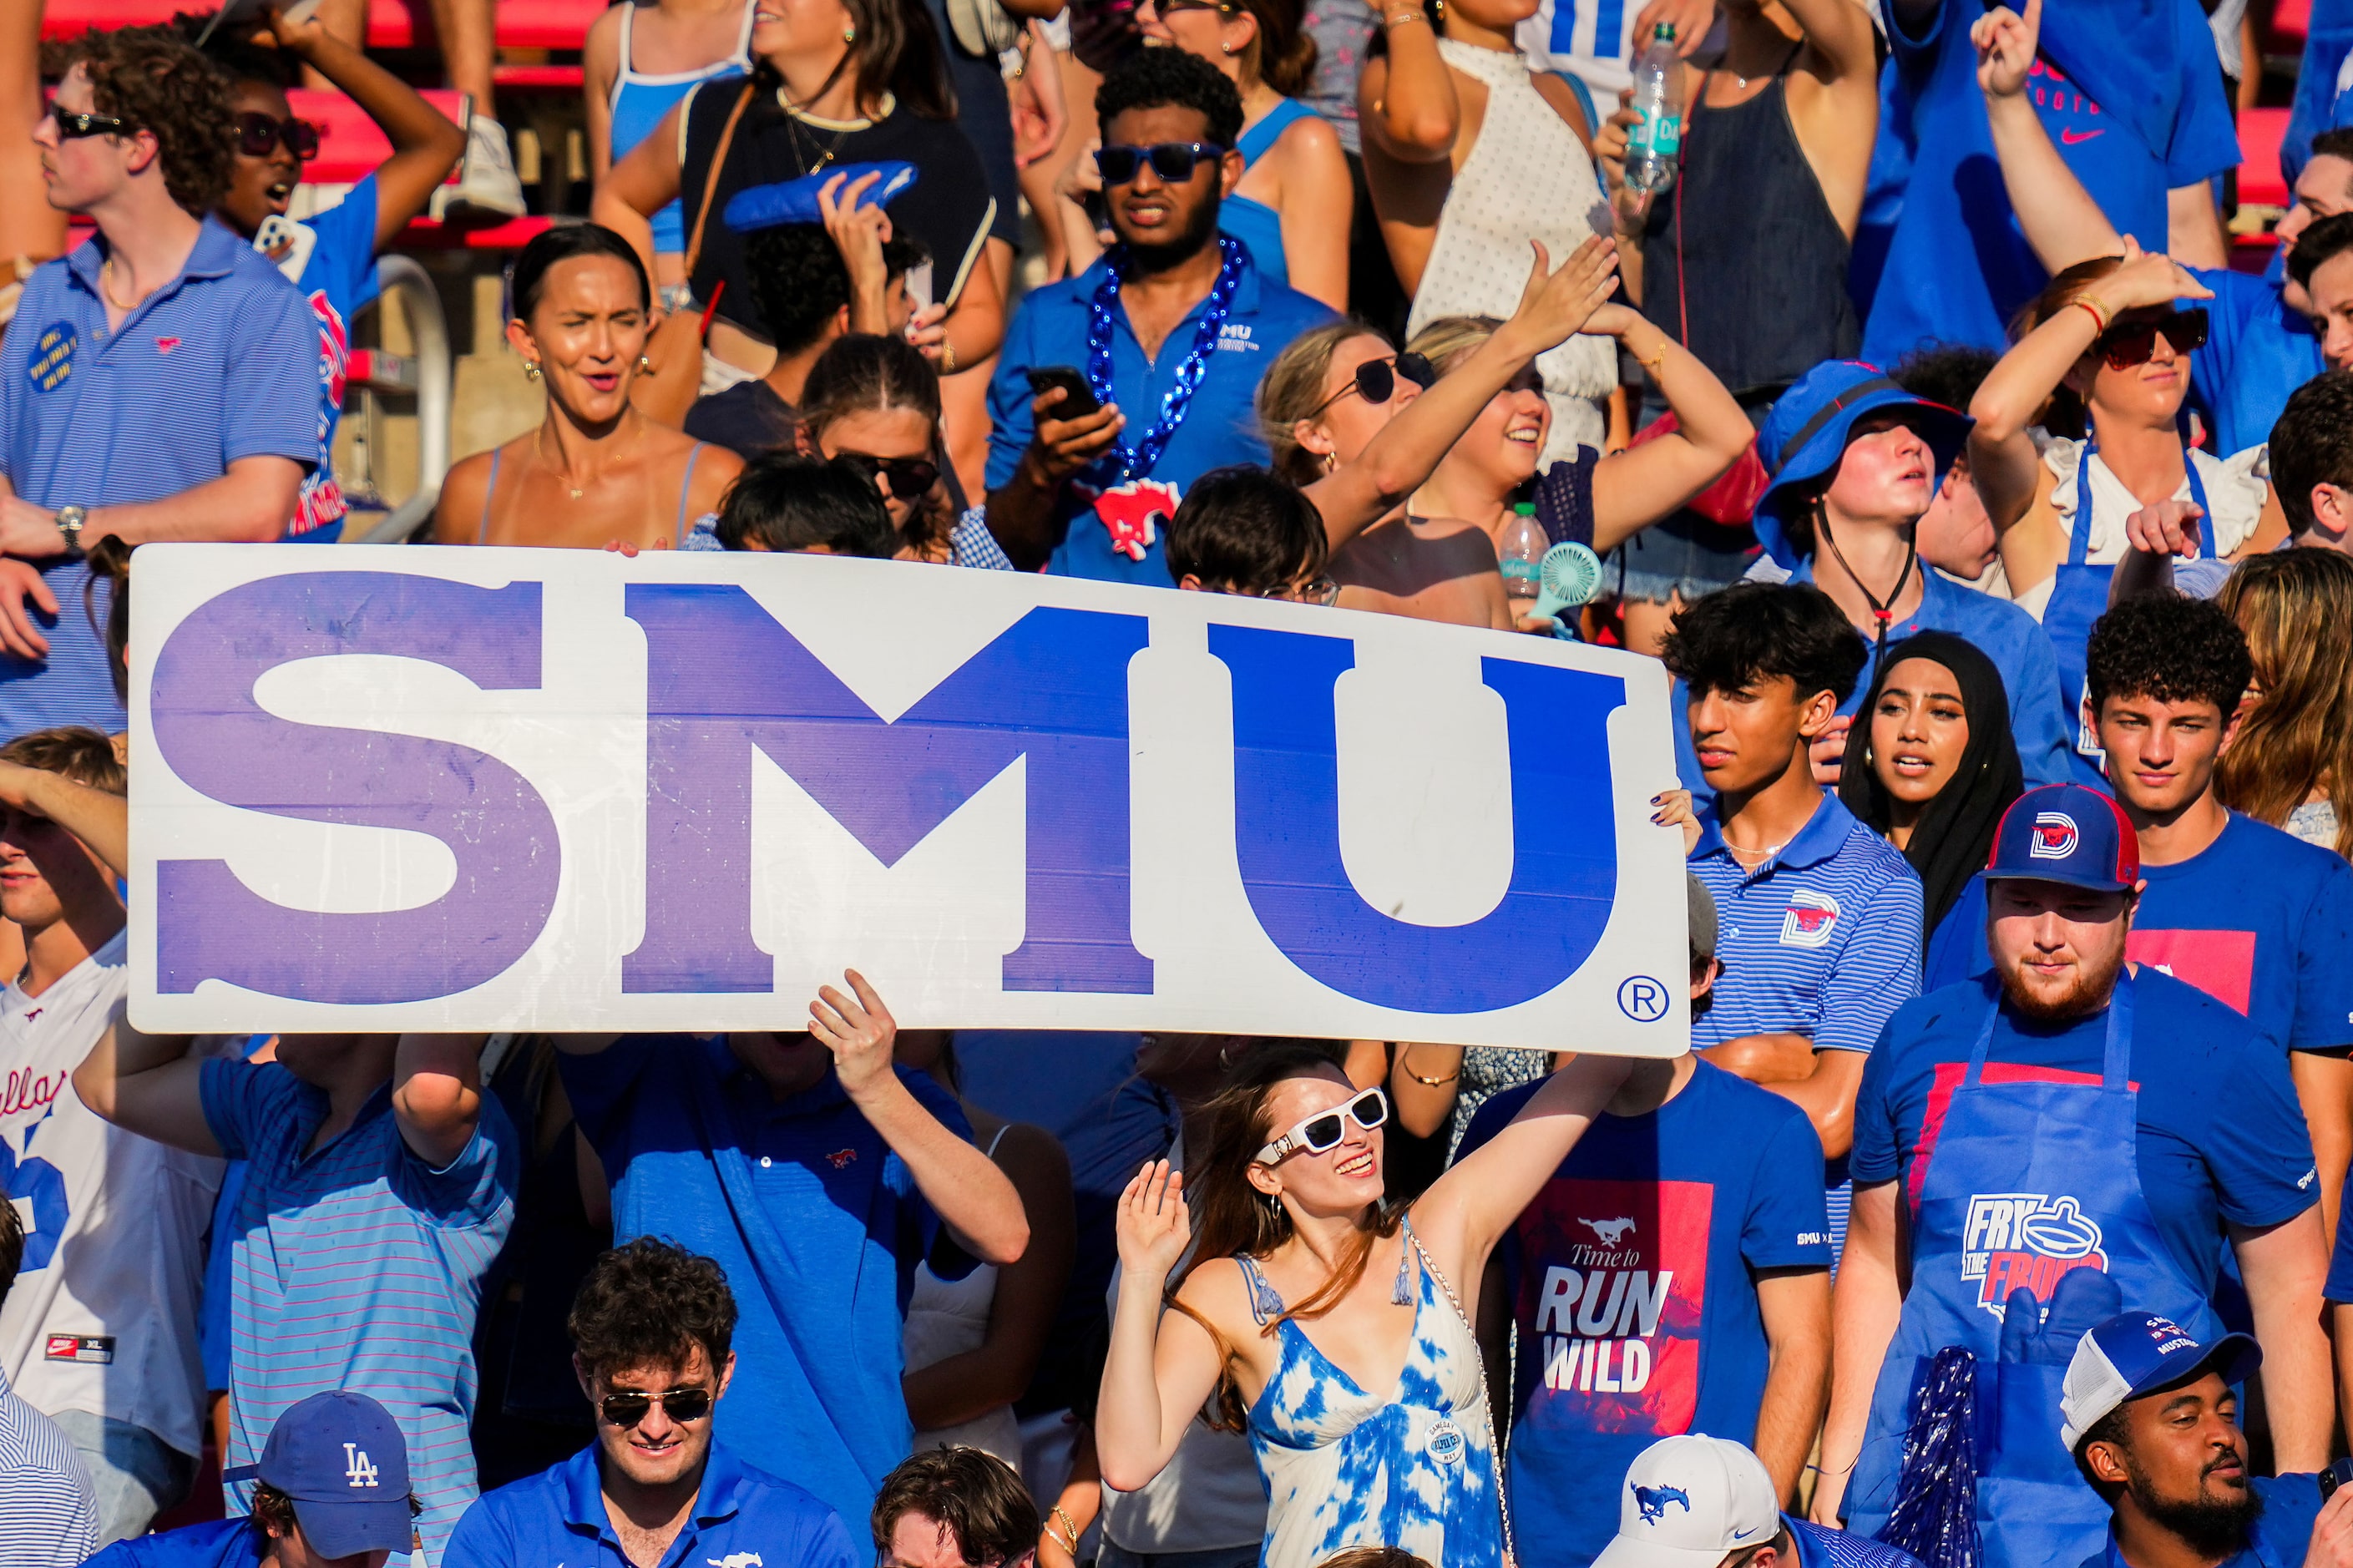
pixel 383 789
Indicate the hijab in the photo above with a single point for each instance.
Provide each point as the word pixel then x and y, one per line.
pixel 1956 830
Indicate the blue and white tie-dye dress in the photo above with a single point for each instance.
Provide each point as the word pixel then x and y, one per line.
pixel 1412 1466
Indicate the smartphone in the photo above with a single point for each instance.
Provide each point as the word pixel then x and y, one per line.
pixel 2335 1476
pixel 297 239
pixel 1079 398
pixel 918 284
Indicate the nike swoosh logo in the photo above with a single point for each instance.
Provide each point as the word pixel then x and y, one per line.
pixel 1737 1535
pixel 2069 137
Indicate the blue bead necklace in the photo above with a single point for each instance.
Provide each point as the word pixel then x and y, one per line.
pixel 1138 461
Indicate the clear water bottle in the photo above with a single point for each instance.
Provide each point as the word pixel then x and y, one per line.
pixel 1654 142
pixel 1520 552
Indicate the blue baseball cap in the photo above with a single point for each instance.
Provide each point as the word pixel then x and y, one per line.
pixel 794 201
pixel 2136 1354
pixel 2065 833
pixel 342 1458
pixel 1806 435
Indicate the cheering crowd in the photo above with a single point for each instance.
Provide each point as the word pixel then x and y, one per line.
pixel 1892 385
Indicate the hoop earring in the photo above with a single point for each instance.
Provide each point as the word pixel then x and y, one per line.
pixel 531 370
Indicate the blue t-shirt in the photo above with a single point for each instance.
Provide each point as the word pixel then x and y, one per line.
pixel 1633 1280
pixel 1957 266
pixel 2220 1133
pixel 817 1224
pixel 2258 919
pixel 358 1266
pixel 2257 352
pixel 337 283
pixel 741 1517
pixel 220 363
pixel 216 1543
pixel 2282 1532
pixel 1220 425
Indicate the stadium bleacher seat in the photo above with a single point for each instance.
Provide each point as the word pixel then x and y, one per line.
pixel 350 145
pixel 2290 22
pixel 2260 180
pixel 550 26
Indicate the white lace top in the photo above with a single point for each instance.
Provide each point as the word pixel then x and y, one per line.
pixel 2236 487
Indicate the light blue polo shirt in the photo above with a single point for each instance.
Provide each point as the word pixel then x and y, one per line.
pixel 222 362
pixel 741 1517
pixel 1220 425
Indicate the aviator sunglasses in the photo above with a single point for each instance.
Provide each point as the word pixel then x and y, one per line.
pixel 1324 1129
pixel 909 477
pixel 1173 162
pixel 256 134
pixel 1376 380
pixel 2130 343
pixel 626 1409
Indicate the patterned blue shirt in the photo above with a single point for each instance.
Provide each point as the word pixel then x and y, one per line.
pixel 44 1496
pixel 220 363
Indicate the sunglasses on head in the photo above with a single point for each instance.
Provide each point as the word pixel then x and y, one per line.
pixel 628 1408
pixel 256 134
pixel 1375 379
pixel 1323 1131
pixel 2128 343
pixel 1173 162
pixel 71 126
pixel 909 477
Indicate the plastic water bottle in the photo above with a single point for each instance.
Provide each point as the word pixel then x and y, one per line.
pixel 1520 553
pixel 1654 142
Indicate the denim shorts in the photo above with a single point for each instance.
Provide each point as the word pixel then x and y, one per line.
pixel 1684 554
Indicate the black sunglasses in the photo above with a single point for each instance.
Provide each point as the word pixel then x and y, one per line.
pixel 2128 343
pixel 626 1409
pixel 1172 161
pixel 256 134
pixel 1377 380
pixel 72 126
pixel 909 477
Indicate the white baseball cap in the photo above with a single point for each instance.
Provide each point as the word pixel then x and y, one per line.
pixel 1691 1502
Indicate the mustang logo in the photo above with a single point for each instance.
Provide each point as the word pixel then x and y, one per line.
pixel 1610 1231
pixel 1654 1501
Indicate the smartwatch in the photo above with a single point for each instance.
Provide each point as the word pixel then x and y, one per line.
pixel 70 522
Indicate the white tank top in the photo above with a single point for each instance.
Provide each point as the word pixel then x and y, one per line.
pixel 949 1316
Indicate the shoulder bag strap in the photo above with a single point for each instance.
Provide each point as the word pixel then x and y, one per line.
pixel 711 180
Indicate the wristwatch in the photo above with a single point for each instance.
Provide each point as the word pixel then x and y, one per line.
pixel 70 522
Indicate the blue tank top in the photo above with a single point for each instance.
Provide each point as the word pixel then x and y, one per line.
pixel 1255 224
pixel 640 101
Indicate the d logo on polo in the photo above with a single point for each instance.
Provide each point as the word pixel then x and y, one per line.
pixel 2054 835
pixel 2026 1238
pixel 1809 920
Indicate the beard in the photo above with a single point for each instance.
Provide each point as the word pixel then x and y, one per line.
pixel 2210 1526
pixel 2086 993
pixel 1158 256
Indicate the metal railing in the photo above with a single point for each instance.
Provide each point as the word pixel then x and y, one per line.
pixel 430 374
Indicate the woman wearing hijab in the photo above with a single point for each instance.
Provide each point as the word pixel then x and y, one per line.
pixel 1931 766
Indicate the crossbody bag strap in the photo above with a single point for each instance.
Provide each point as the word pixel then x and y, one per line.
pixel 710 181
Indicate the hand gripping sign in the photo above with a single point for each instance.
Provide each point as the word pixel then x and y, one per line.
pixel 559 790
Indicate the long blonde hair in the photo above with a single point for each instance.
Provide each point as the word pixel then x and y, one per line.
pixel 1293 389
pixel 2298 740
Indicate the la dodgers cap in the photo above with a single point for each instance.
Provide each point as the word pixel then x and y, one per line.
pixel 1690 1502
pixel 2065 833
pixel 2134 1354
pixel 342 1458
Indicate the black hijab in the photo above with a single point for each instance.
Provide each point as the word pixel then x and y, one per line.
pixel 1956 830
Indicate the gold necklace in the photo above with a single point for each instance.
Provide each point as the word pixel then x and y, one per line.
pixel 105 287
pixel 563 474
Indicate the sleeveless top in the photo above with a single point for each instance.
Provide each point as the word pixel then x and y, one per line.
pixel 1527 177
pixel 640 98
pixel 2236 488
pixel 1761 296
pixel 1412 1466
pixel 679 531
pixel 949 1316
pixel 1258 226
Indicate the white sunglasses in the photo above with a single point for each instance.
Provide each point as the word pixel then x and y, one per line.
pixel 1324 1129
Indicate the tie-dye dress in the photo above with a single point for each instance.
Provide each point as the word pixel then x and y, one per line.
pixel 1413 1467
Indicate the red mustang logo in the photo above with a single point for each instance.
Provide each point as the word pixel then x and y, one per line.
pixel 841 1158
pixel 1133 510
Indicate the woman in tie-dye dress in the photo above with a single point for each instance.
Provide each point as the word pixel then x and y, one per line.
pixel 1333 1329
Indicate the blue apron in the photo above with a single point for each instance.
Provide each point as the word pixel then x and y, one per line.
pixel 2025 1181
pixel 2079 596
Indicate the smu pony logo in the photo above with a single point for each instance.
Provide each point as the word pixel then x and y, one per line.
pixel 1134 511
pixel 1809 920
pixel 2026 1238
pixel 2055 837
pixel 1610 1231
pixel 1652 1501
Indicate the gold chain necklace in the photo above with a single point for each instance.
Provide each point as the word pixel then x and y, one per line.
pixel 106 288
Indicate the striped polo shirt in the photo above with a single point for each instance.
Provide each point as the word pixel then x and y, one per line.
pixel 47 1516
pixel 357 1267
pixel 1822 940
pixel 220 363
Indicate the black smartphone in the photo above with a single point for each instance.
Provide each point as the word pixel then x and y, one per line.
pixel 1077 397
pixel 2335 1476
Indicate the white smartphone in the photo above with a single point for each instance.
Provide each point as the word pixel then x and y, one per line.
pixel 296 239
pixel 918 284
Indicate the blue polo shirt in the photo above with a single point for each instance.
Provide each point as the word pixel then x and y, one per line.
pixel 222 362
pixel 230 1542
pixel 817 1224
pixel 741 1516
pixel 2281 1534
pixel 2257 352
pixel 338 281
pixel 1220 425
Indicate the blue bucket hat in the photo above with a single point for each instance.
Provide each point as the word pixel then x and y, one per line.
pixel 1806 435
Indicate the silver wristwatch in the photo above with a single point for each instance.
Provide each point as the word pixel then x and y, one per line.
pixel 70 522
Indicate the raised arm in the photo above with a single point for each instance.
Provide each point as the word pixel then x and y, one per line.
pixel 1406 105
pixel 1160 1370
pixel 437 1094
pixel 600 64
pixel 101 819
pixel 1864 1306
pixel 973 1198
pixel 642 184
pixel 425 145
pixel 1637 486
pixel 147 1084
pixel 2061 221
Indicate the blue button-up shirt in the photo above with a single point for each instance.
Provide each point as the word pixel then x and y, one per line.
pixel 558 1519
pixel 1220 425
pixel 220 363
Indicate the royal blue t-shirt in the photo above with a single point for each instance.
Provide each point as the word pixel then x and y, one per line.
pixel 817 1224
pixel 337 282
pixel 2258 919
pixel 1632 1280
pixel 230 1542
pixel 1957 266
pixel 2257 352
pixel 1220 425
pixel 2220 1135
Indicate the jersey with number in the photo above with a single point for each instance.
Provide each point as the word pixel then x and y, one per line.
pixel 102 1317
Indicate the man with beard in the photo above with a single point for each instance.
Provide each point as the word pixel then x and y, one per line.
pixel 1175 322
pixel 2152 1417
pixel 2066 1132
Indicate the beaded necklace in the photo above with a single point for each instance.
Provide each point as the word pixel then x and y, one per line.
pixel 1137 461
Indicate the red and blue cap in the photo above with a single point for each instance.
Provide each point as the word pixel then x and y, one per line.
pixel 2066 832
pixel 344 1461
pixel 2135 1355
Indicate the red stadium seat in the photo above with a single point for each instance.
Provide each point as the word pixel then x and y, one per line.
pixel 2260 181
pixel 2291 20
pixel 559 25
pixel 351 146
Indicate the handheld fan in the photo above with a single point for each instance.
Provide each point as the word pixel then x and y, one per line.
pixel 1569 576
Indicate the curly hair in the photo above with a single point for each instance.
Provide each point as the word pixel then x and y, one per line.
pixel 1762 631
pixel 975 1494
pixel 648 1303
pixel 798 280
pixel 152 77
pixel 1171 79
pixel 235 56
pixel 2170 649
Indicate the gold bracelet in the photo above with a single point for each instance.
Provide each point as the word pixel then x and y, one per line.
pixel 1655 363
pixel 1399 18
pixel 1060 1516
pixel 947 357
pixel 1405 1060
